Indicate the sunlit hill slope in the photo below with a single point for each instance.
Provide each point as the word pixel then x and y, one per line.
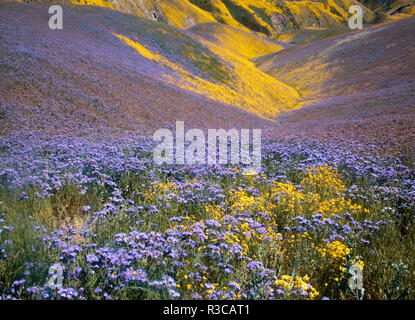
pixel 263 16
pixel 106 68
pixel 241 43
pixel 355 87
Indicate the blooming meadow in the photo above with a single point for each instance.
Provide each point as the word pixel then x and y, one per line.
pixel 86 212
pixel 120 227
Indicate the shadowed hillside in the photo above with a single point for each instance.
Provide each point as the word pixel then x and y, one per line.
pixel 269 18
pixel 360 86
pixel 383 5
pixel 389 10
pixel 273 17
pixel 367 60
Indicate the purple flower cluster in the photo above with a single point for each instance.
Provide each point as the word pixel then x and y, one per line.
pixel 140 244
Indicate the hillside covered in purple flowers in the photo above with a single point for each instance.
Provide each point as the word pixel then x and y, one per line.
pixel 85 212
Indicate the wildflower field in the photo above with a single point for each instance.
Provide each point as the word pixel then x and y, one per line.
pixel 122 228
pixel 85 212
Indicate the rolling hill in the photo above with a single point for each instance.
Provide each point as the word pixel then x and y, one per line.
pixel 106 69
pixel 326 197
pixel 355 87
pixel 242 43
pixel 266 17
pixel 351 60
